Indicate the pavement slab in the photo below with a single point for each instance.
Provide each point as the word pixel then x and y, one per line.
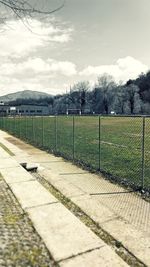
pixel 16 150
pixel 8 162
pixel 93 184
pixel 134 240
pixel 60 166
pixel 64 234
pixel 32 194
pixel 3 153
pixel 68 189
pixel 130 207
pixel 98 213
pixel 95 258
pixel 16 175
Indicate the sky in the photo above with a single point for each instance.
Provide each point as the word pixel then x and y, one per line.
pixel 82 41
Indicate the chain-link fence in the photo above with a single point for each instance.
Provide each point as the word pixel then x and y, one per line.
pixel 118 146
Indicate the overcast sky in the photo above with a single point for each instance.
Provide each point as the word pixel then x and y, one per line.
pixel 83 40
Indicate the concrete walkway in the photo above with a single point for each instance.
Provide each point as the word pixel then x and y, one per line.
pixel 20 245
pixel 125 216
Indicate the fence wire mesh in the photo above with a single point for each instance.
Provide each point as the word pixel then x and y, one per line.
pixel 64 136
pixel 146 163
pixel 86 148
pixel 117 146
pixel 121 144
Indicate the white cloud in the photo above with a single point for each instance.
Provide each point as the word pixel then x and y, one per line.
pixel 23 55
pixel 17 40
pixel 35 74
pixel 124 69
pixel 36 84
pixel 64 67
pixel 36 66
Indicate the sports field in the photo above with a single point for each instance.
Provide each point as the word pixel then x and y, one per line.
pixel 115 145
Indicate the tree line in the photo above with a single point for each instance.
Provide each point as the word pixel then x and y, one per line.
pixel 105 97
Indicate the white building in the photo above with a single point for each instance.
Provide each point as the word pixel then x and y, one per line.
pixel 24 110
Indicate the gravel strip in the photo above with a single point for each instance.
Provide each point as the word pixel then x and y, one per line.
pixel 20 245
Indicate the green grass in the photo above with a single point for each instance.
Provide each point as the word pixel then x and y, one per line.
pixel 119 153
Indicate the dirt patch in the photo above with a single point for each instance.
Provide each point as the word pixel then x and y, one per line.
pixel 14 141
pixel 18 143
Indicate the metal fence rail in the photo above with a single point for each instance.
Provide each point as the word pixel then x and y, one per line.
pixel 118 146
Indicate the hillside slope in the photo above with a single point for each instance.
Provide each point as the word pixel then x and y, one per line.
pixel 27 94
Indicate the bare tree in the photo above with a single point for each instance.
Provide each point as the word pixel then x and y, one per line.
pixel 25 9
pixel 106 86
pixel 79 94
pixel 133 98
pixel 120 100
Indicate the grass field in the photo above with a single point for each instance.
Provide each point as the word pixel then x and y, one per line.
pixel 111 144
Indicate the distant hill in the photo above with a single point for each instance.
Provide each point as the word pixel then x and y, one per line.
pixel 26 94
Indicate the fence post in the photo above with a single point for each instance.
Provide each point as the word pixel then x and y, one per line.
pixel 3 122
pixel 32 129
pixel 14 125
pixel 56 133
pixel 73 137
pixel 26 127
pixel 143 153
pixel 19 126
pixel 8 124
pixel 42 131
pixel 99 142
